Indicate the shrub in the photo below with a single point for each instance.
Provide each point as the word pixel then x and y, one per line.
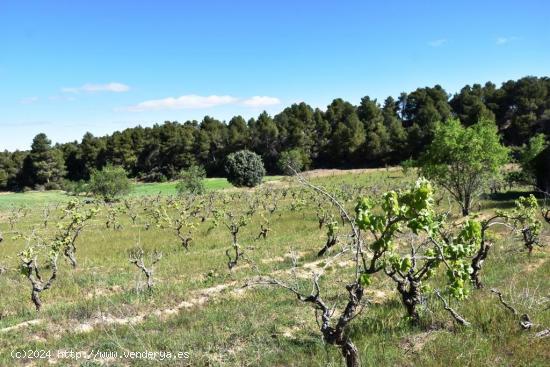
pixel 153 176
pixel 75 188
pixel 527 156
pixel 294 160
pixel 542 170
pixel 191 180
pixel 408 166
pixel 109 183
pixel 39 188
pixel 53 185
pixel 244 168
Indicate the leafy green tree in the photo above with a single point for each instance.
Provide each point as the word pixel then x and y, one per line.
pixel 542 171
pixel 191 181
pixel 528 153
pixel 463 159
pixel 244 168
pixel 291 161
pixel 109 183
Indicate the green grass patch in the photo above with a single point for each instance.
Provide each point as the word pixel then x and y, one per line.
pixel 39 198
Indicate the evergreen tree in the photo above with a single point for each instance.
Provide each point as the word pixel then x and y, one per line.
pixel 421 110
pixel 397 134
pixel 343 135
pixel 45 165
pixel 91 150
pixel 264 135
pixel 348 133
pixel 469 105
pixel 238 134
pixel 296 126
pixel 377 140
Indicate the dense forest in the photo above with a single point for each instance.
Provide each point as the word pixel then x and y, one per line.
pixel 344 135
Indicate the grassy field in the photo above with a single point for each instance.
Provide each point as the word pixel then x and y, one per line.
pixel 169 188
pixel 33 198
pixel 200 307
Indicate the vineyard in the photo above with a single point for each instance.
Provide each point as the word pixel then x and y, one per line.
pixel 370 268
pixel 274 184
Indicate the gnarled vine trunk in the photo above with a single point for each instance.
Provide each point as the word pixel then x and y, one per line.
pixel 336 335
pixel 477 263
pixel 411 297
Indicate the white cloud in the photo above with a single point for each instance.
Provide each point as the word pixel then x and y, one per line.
pixel 188 101
pixel 437 43
pixel 260 101
pixel 28 100
pixel 504 40
pixel 90 88
pixel 195 101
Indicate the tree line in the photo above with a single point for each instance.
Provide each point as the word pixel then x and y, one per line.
pixel 343 135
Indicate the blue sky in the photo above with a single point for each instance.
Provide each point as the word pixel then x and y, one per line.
pixel 67 67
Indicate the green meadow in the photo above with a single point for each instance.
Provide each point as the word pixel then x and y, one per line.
pixel 220 317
